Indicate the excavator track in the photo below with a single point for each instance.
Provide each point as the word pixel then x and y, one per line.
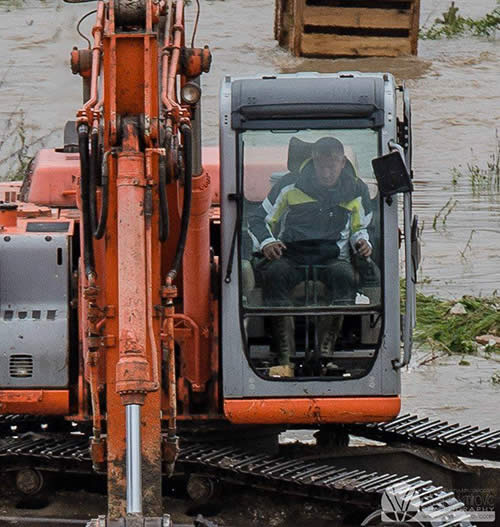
pixel 467 441
pixel 321 481
pixel 28 440
pixel 314 479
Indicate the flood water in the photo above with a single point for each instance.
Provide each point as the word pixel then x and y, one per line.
pixel 456 107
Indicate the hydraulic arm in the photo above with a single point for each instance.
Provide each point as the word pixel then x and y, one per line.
pixel 135 141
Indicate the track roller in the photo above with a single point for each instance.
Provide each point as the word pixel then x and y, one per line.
pixel 29 481
pixel 201 489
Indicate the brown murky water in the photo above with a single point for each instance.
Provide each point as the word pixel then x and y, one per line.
pixel 456 107
pixel 456 110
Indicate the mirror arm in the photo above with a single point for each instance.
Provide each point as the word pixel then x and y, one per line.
pixel 396 146
pixel 410 285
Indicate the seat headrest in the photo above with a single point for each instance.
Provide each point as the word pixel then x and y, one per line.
pixel 298 152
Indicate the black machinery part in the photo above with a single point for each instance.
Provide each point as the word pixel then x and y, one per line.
pixel 467 441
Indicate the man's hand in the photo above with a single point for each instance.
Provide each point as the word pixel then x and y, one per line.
pixel 274 250
pixel 363 248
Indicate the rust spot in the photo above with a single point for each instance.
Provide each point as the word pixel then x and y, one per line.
pixel 151 484
pixel 117 493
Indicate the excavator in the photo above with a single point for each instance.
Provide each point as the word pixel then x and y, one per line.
pixel 137 341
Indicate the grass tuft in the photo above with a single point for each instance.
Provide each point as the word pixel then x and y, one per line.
pixel 456 333
pixel 11 4
pixel 482 179
pixel 452 24
pixel 18 146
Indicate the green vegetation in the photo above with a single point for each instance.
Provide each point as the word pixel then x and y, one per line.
pixel 453 24
pixel 17 146
pixel 442 330
pixel 481 179
pixel 14 156
pixel 11 4
pixel 443 213
pixel 468 245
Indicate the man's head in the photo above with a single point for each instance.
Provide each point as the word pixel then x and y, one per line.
pixel 329 160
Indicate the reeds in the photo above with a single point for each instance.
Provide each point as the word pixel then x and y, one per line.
pixel 453 25
pixel 18 146
pixel 482 179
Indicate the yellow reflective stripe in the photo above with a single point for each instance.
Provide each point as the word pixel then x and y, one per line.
pixel 354 206
pixel 296 197
pixel 274 218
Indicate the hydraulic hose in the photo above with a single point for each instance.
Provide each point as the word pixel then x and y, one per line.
pixel 97 173
pixel 164 223
pixel 88 242
pixel 93 168
pixel 186 207
pixel 100 229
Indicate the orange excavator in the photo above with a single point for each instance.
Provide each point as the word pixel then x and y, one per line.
pixel 133 307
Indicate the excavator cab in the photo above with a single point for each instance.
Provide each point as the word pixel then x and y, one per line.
pixel 322 322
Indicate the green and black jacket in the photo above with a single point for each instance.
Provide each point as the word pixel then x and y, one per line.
pixel 307 216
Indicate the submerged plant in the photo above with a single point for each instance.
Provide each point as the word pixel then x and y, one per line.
pixel 11 4
pixel 443 213
pixel 468 245
pixel 456 333
pixel 481 179
pixel 14 147
pixel 453 24
pixel 17 146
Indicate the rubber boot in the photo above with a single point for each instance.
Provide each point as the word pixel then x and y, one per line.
pixel 285 330
pixel 329 330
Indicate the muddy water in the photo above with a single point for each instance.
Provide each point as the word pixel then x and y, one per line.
pixel 456 109
pixel 456 104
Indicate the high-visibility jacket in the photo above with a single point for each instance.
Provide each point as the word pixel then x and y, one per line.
pixel 309 217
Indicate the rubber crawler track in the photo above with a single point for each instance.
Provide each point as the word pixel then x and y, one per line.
pixel 312 479
pixel 469 441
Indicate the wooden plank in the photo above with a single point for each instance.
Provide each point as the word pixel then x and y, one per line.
pixel 357 17
pixel 415 26
pixel 314 44
pixel 298 25
pixel 284 25
pixel 277 19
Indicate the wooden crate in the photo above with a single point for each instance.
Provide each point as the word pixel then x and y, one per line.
pixel 347 28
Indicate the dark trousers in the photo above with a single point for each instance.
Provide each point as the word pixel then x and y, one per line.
pixel 279 277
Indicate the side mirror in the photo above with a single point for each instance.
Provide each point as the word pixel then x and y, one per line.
pixel 392 174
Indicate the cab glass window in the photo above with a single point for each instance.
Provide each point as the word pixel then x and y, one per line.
pixel 310 251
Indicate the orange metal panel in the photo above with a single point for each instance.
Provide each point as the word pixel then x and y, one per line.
pixel 38 402
pixel 312 411
pixel 129 74
pixel 210 157
pixel 53 181
pixel 196 284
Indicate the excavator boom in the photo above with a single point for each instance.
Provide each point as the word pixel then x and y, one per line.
pixel 140 138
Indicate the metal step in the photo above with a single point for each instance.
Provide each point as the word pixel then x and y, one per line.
pixel 468 441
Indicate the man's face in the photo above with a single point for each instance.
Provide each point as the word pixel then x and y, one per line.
pixel 328 168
